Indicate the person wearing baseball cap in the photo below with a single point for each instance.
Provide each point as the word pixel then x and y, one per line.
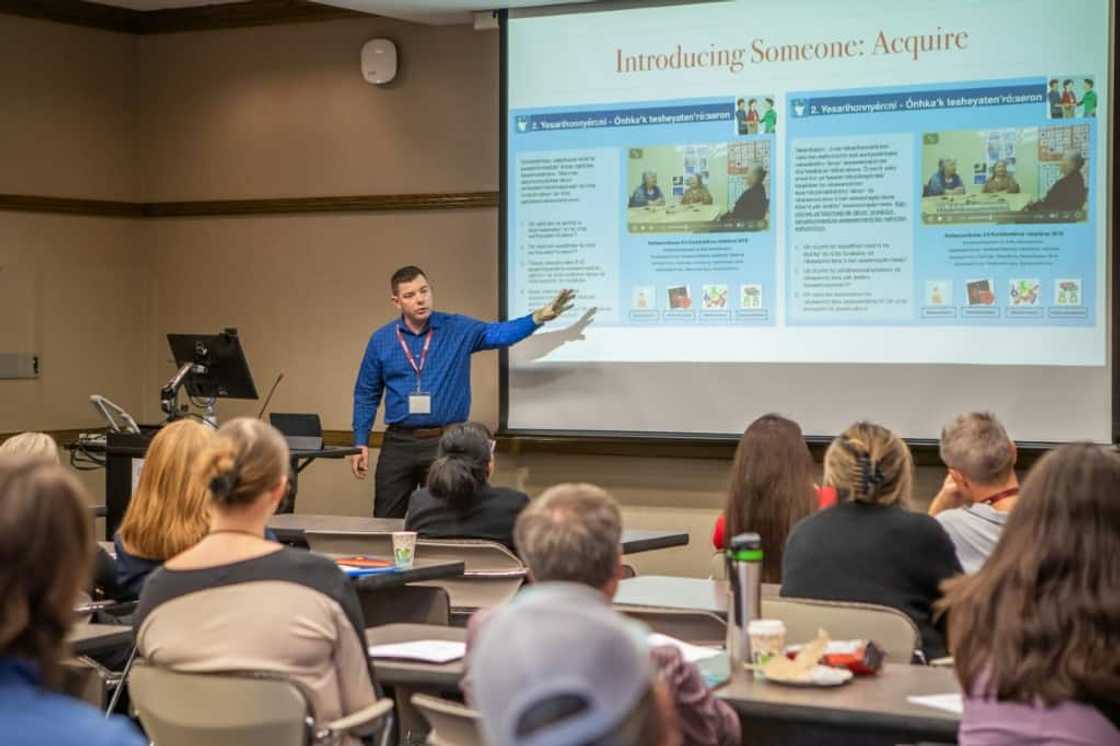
pixel 570 539
pixel 555 667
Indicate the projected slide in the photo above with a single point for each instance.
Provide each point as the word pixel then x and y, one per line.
pixel 728 183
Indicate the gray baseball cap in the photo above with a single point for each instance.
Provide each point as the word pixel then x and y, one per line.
pixel 557 666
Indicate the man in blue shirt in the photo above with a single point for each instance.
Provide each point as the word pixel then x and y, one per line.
pixel 421 363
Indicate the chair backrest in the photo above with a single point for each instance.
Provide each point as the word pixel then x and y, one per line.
pixel 891 629
pixel 406 604
pixel 185 709
pixel 452 724
pixel 696 627
pixel 492 576
pixel 372 543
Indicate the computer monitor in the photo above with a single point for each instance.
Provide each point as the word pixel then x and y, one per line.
pixel 219 369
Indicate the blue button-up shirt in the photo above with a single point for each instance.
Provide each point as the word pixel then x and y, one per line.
pixel 30 715
pixel 447 372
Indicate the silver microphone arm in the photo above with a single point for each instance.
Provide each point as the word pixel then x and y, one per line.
pixel 170 391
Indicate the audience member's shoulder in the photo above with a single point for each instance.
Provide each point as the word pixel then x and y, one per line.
pixel 312 564
pixel 817 521
pixel 62 721
pixel 510 495
pixel 421 497
pixel 927 530
pixel 952 518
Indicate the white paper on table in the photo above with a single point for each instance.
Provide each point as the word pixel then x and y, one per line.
pixel 691 653
pixel 428 651
pixel 949 702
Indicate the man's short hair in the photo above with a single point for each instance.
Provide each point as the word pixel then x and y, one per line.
pixel 1076 158
pixel 977 445
pixel 1088 82
pixel 1053 81
pixel 572 532
pixel 405 274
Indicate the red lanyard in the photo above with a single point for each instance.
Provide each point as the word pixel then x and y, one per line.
pixel 1001 495
pixel 419 368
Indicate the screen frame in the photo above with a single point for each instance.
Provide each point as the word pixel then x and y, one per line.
pixel 596 439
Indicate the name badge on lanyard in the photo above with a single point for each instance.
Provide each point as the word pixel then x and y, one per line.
pixel 418 401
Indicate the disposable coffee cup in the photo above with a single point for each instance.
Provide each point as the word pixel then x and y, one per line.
pixel 768 640
pixel 404 548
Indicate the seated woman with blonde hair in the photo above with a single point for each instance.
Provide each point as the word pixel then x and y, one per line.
pixel 43 446
pixel 32 445
pixel 168 513
pixel 236 601
pixel 869 547
pixel 1035 634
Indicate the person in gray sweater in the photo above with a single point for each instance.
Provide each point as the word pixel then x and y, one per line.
pixel 981 488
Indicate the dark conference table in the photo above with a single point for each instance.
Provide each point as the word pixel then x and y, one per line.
pixel 290 527
pixel 869 710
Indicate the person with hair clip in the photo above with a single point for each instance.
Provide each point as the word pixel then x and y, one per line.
pixel 238 601
pixel 46 550
pixel 1035 634
pixel 459 502
pixel 772 488
pixel 870 548
pixel 168 512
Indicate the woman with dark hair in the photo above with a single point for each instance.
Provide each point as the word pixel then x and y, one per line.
pixel 459 502
pixel 46 550
pixel 1035 634
pixel 772 488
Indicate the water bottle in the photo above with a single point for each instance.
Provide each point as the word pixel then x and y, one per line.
pixel 744 571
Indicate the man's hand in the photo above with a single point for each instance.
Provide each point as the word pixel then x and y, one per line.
pixel 359 463
pixel 562 303
pixel 948 498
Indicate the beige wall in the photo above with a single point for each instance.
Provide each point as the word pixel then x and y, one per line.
pixel 67 111
pixel 68 129
pixel 283 111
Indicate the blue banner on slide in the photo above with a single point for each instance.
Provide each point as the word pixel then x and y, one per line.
pixel 672 115
pixel 886 102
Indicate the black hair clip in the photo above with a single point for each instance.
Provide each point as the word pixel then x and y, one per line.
pixel 870 474
pixel 223 485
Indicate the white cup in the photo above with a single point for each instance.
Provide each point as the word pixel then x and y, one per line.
pixel 404 548
pixel 768 640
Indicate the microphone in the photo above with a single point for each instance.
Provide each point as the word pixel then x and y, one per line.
pixel 271 391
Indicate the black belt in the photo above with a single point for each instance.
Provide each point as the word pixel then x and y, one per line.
pixel 425 433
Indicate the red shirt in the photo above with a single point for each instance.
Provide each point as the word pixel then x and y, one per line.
pixel 826 498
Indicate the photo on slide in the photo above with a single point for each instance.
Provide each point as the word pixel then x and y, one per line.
pixel 756 115
pixel 699 188
pixel 981 292
pixel 1071 97
pixel 1007 175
